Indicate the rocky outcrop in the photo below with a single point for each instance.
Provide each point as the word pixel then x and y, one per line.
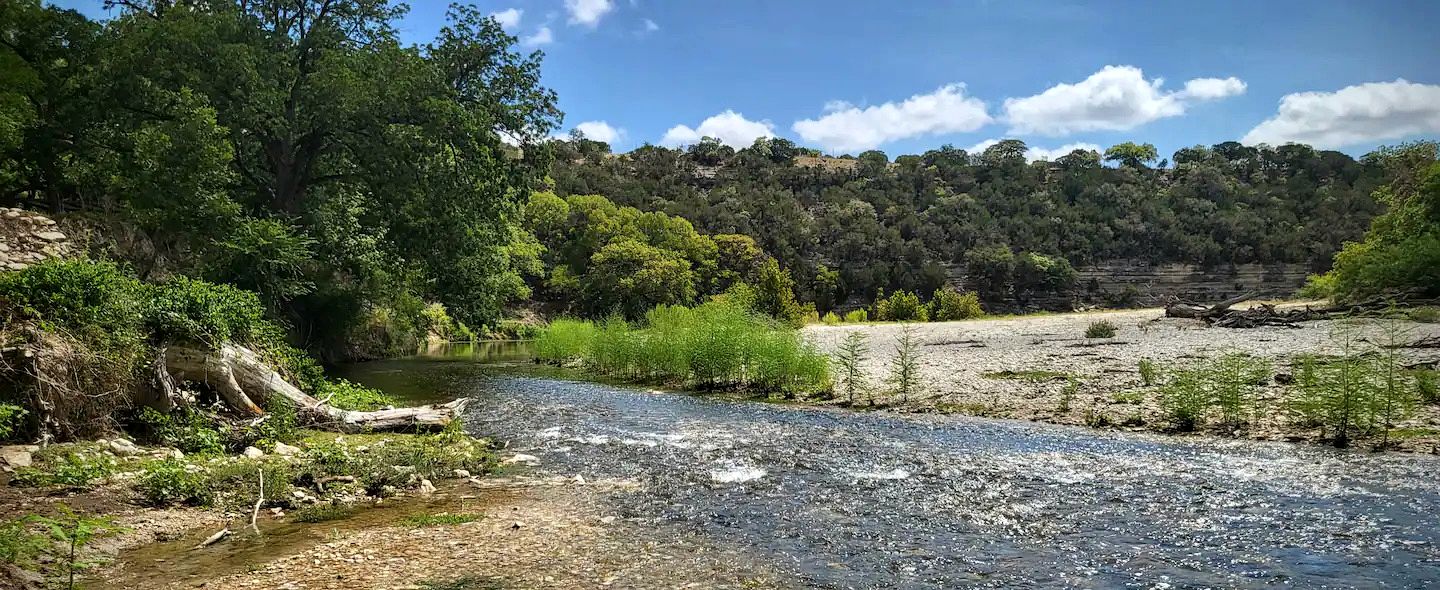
pixel 1140 283
pixel 28 238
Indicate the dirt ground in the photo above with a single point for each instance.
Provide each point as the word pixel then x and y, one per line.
pixel 533 533
pixel 961 363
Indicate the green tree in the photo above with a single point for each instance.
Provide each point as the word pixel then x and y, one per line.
pixel 631 277
pixel 1132 155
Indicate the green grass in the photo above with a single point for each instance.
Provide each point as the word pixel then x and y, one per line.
pixel 323 512
pixel 1033 376
pixel 1128 397
pixel 712 346
pixel 443 519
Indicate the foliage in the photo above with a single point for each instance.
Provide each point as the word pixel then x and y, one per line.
pixel 174 481
pixel 1427 385
pixel 1184 399
pixel 1425 314
pixel 184 309
pixel 186 429
pixel 775 296
pixel 717 344
pixel 900 306
pixel 1031 375
pixel 1362 392
pixel 70 533
pixel 442 519
pixel 323 512
pixel 1401 250
pixel 348 395
pixel 19 544
pixel 72 468
pixel 1149 372
pixel 949 305
pixel 830 319
pixel 1233 379
pixel 1101 329
pixel 1131 155
pixel 905 364
pixel 12 421
pixel 850 359
pixel 1067 395
pixel 858 316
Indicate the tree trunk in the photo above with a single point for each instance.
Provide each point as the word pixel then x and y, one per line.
pixel 236 373
pixel 1183 309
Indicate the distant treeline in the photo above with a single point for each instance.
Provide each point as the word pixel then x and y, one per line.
pixel 886 225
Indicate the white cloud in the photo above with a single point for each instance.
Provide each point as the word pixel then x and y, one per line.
pixel 650 26
pixel 509 18
pixel 600 131
pixel 1353 115
pixel 542 36
pixel 846 127
pixel 1036 154
pixel 1115 98
pixel 730 127
pixel 1213 88
pixel 588 12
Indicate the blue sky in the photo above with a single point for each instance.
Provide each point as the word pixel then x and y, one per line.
pixel 837 74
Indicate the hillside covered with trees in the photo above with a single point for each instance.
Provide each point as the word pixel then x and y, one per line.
pixel 1016 226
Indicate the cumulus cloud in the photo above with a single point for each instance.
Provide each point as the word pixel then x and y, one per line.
pixel 509 18
pixel 1036 154
pixel 846 127
pixel 542 36
pixel 1115 98
pixel 588 12
pixel 730 127
pixel 1213 88
pixel 1364 113
pixel 650 26
pixel 600 131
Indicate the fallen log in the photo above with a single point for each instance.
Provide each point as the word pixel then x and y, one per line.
pixel 240 377
pixel 1186 309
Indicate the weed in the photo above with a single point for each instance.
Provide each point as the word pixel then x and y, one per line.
pixel 1067 395
pixel 1101 329
pixel 323 512
pixel 849 359
pixel 830 319
pixel 1134 397
pixel 1184 399
pixel 1429 314
pixel 1149 372
pixel 1233 379
pixel 172 481
pixel 352 396
pixel 76 469
pixel 1031 375
pixel 1427 385
pixel 905 366
pixel 12 421
pixel 442 519
pixel 858 316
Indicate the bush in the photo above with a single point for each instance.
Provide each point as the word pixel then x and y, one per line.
pixel 186 429
pixel 850 360
pixel 1427 385
pixel 1428 314
pixel 951 305
pixel 76 469
pixel 348 395
pixel 323 512
pixel 95 301
pixel 12 421
pixel 189 310
pixel 1101 329
pixel 858 316
pixel 443 519
pixel 905 365
pixel 1184 399
pixel 830 319
pixel 900 306
pixel 174 481
pixel 1233 379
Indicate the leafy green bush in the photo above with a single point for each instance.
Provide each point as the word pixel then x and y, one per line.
pixel 1101 329
pixel 76 469
pixel 1427 385
pixel 900 306
pixel 20 544
pixel 186 429
pixel 1184 399
pixel 830 319
pixel 12 421
pixel 949 304
pixel 858 316
pixel 348 395
pixel 186 309
pixel 905 365
pixel 280 424
pixel 174 481
pixel 1401 250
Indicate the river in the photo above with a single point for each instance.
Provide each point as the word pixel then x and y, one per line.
pixel 839 499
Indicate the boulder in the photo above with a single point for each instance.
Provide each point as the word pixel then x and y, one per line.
pixel 253 453
pixel 124 448
pixel 16 456
pixel 520 458
pixel 50 236
pixel 426 488
pixel 285 450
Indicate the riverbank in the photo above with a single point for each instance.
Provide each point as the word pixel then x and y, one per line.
pixel 1020 368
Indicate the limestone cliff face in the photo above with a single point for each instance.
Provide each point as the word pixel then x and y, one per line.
pixel 28 238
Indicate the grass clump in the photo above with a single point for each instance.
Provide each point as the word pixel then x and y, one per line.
pixel 1227 384
pixel 720 344
pixel 67 467
pixel 442 519
pixel 323 512
pixel 1428 314
pixel 1361 393
pixel 1031 375
pixel 1149 372
pixel 858 316
pixel 173 481
pixel 830 319
pixel 1067 395
pixel 1101 329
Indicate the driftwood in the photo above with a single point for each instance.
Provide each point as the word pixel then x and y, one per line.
pixel 240 377
pixel 1186 309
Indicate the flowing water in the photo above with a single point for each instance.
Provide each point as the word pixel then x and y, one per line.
pixel 852 500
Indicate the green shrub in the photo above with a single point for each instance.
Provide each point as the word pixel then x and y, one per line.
pixel 12 421
pixel 858 316
pixel 1184 399
pixel 1233 380
pixel 97 301
pixel 850 360
pixel 1149 372
pixel 905 365
pixel 950 304
pixel 516 330
pixel 20 544
pixel 830 319
pixel 1101 329
pixel 185 309
pixel 1428 314
pixel 235 484
pixel 174 481
pixel 348 395
pixel 76 469
pixel 280 424
pixel 900 306
pixel 323 512
pixel 1067 395
pixel 186 429
pixel 1427 385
